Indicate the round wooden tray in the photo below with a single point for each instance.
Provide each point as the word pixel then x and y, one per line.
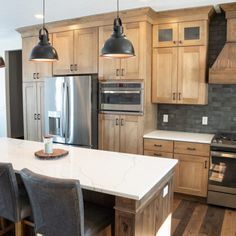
pixel 57 153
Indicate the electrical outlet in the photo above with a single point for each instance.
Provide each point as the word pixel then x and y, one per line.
pixel 165 118
pixel 204 120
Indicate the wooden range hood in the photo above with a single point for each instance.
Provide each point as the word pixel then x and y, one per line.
pixel 223 70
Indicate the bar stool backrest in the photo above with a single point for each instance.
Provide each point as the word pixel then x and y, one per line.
pixel 9 193
pixel 57 204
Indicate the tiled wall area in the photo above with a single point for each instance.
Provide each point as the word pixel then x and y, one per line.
pixel 221 108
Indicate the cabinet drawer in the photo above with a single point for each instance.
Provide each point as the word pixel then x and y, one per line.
pixel 158 154
pixel 198 149
pixel 158 145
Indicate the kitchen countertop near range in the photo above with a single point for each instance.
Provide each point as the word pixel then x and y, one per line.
pixel 180 136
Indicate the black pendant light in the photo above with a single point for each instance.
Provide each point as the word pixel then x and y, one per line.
pixel 2 63
pixel 118 46
pixel 44 51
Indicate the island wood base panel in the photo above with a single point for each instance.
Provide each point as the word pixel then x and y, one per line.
pixel 147 216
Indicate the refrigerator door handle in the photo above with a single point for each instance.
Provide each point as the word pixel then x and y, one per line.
pixel 67 110
pixel 64 115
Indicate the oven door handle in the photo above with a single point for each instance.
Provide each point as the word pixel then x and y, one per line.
pixel 120 92
pixel 223 154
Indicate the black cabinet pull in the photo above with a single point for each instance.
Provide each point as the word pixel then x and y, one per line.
pixel 34 75
pixel 157 145
pixel 71 67
pixel 75 67
pixel 37 75
pixel 35 116
pixel 38 117
pixel 205 164
pixel 117 121
pixel 191 149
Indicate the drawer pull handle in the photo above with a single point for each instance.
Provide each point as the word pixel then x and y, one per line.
pixel 191 149
pixel 205 164
pixel 157 154
pixel 125 227
pixel 117 121
pixel 157 145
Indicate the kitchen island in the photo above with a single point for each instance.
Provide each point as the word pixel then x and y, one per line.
pixel 140 185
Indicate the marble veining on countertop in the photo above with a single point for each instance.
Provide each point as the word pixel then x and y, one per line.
pixel 180 136
pixel 119 174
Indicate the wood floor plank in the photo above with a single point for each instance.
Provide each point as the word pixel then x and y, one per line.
pixel 212 221
pixel 196 220
pixel 229 223
pixel 183 212
pixel 174 224
pixel 176 203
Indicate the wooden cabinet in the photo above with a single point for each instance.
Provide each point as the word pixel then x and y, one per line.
pixel 179 75
pixel 190 33
pixel 77 51
pixel 164 82
pixel 121 133
pixel 33 108
pixel 130 68
pixel 159 148
pixel 191 174
pixel 33 71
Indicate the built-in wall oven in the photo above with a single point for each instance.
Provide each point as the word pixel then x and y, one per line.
pixel 121 96
pixel 222 173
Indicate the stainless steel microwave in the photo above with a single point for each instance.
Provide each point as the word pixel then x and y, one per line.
pixel 121 96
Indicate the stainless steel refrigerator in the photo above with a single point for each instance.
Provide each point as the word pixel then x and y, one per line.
pixel 71 110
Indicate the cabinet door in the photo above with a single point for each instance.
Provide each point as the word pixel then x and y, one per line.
pixel 109 132
pixel 29 67
pixel 30 111
pixel 193 33
pixel 40 110
pixel 192 75
pixel 164 80
pixel 131 140
pixel 109 68
pixel 63 42
pixel 130 67
pixel 86 50
pixel 165 35
pixel 191 175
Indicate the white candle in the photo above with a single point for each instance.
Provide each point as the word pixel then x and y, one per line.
pixel 48 144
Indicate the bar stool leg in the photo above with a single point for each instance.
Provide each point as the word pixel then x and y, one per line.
pixel 18 229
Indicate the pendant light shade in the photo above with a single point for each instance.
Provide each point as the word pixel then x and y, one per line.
pixel 2 63
pixel 44 51
pixel 118 46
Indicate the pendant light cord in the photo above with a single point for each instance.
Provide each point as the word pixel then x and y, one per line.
pixel 43 14
pixel 118 8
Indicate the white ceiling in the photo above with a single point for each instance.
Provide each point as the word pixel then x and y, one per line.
pixel 18 13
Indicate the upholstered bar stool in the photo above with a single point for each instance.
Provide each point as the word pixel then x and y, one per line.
pixel 14 202
pixel 59 209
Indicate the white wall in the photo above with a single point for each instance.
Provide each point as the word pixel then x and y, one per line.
pixel 12 42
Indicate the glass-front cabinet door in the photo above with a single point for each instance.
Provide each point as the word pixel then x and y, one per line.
pixel 192 33
pixel 165 35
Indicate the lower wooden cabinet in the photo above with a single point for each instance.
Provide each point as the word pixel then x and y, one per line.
pixel 191 175
pixel 33 108
pixel 120 133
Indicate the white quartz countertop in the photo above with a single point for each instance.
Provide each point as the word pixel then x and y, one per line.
pixel 180 136
pixel 119 174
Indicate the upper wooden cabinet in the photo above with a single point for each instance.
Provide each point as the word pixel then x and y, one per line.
pixel 180 34
pixel 179 75
pixel 77 51
pixel 33 71
pixel 131 68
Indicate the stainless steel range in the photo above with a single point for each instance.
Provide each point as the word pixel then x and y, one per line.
pixel 222 173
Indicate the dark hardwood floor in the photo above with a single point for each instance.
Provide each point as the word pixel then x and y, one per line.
pixel 192 217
